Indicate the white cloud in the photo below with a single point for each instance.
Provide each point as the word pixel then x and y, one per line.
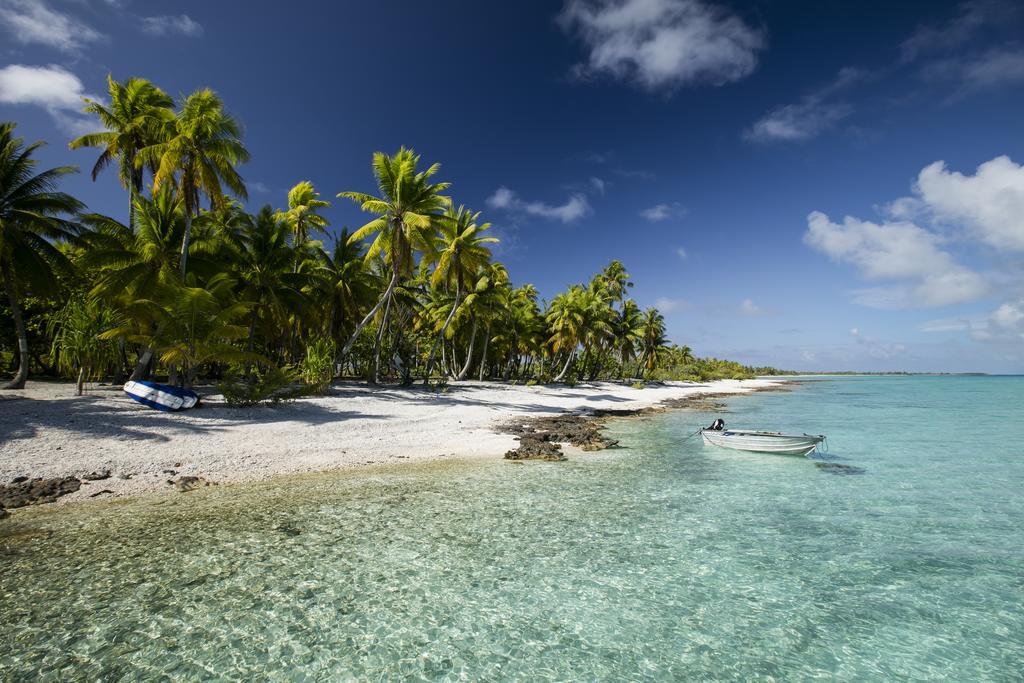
pixel 662 44
pixel 598 184
pixel 53 88
pixel 503 198
pixel 33 21
pixel 668 305
pixel 966 74
pixel 749 308
pixel 181 24
pixel 895 251
pixel 574 208
pixel 972 17
pixel 662 212
pixel 259 186
pixel 681 253
pixel 814 114
pixel 989 204
pixel 797 122
pixel 1010 315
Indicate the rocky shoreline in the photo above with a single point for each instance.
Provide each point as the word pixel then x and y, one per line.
pixel 541 438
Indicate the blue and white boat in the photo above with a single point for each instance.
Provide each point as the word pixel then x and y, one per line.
pixel 161 396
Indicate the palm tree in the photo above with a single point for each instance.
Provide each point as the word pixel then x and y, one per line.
pixel 302 217
pixel 133 265
pixel 134 119
pixel 263 260
pixel 31 219
pixel 483 304
pixel 197 324
pixel 408 215
pixel 462 252
pixel 345 283
pixel 566 319
pixel 628 332
pixel 136 262
pixel 652 339
pixel 199 157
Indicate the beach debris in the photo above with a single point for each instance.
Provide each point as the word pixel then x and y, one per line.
pixel 100 493
pixel 170 472
pixel 287 529
pixel 18 480
pixel 97 476
pixel 189 483
pixel 125 476
pixel 36 491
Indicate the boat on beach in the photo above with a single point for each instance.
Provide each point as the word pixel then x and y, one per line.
pixel 760 442
pixel 161 396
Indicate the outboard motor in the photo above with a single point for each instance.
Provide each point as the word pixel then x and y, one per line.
pixel 717 426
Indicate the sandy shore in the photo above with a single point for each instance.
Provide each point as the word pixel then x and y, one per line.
pixel 46 431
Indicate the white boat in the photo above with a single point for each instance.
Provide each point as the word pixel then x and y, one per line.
pixel 761 442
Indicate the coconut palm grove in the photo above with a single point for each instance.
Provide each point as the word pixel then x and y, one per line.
pixel 190 287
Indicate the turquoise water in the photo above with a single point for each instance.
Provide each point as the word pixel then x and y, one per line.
pixel 665 560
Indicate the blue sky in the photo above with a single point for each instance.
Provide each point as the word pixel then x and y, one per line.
pixel 813 185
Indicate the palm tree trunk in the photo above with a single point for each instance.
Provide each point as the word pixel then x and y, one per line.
pixel 142 364
pixel 469 353
pixel 369 316
pixel 19 326
pixel 568 362
pixel 81 381
pixel 440 336
pixel 483 360
pixel 185 242
pixel 376 345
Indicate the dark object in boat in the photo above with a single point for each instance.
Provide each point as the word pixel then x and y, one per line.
pixel 718 425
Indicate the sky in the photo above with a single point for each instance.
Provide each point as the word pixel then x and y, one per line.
pixel 820 185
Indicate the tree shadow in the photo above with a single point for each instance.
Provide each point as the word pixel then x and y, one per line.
pixel 122 418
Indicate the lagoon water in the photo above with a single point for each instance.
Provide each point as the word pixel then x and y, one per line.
pixel 898 555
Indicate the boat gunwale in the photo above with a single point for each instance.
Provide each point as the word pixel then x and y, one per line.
pixel 779 435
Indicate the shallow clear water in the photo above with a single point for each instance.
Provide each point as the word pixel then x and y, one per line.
pixel 663 560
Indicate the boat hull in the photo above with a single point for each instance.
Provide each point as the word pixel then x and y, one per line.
pixel 161 396
pixel 763 442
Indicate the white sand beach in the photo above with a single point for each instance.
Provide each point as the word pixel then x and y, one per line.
pixel 46 431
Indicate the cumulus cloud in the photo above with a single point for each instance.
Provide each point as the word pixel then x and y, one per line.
pixel 662 44
pixel 574 208
pixel 814 114
pixel 988 204
pixel 34 22
pixel 662 212
pixel 895 251
pixel 181 24
pixel 598 184
pixel 1004 325
pixel 53 88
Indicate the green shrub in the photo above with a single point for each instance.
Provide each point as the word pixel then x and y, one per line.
pixel 317 369
pixel 269 385
pixel 638 385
